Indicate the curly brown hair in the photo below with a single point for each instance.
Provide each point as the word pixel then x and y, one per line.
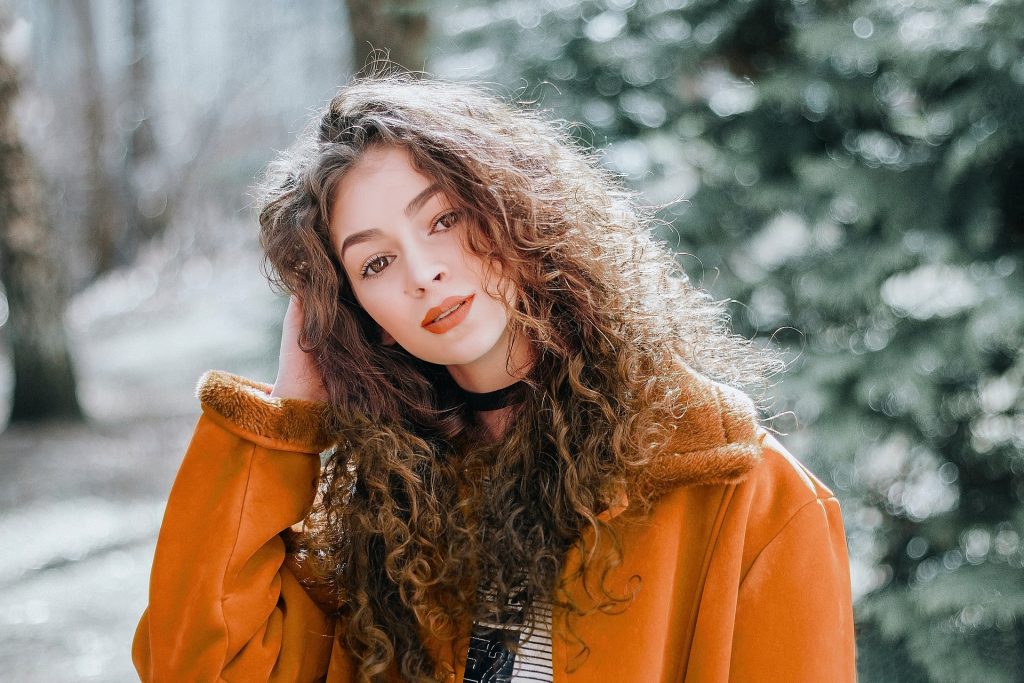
pixel 416 507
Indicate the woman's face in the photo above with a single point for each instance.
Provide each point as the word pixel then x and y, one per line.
pixel 401 243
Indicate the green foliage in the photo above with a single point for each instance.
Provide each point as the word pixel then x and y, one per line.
pixel 854 173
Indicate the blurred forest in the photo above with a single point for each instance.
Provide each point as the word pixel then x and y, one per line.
pixel 849 175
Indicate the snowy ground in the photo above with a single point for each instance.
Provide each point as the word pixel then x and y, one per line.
pixel 80 504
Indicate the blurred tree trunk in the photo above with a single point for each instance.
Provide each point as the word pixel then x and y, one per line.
pixel 146 196
pixel 103 215
pixel 398 26
pixel 44 381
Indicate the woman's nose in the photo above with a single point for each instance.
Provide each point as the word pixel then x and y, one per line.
pixel 425 274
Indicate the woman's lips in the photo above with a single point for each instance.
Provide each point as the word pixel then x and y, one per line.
pixel 452 319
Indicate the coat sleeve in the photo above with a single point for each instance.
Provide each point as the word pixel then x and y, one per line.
pixel 222 603
pixel 794 618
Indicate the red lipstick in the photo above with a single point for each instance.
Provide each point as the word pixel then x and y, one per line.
pixel 454 308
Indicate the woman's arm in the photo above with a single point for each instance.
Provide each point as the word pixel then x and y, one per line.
pixel 223 603
pixel 794 620
pixel 794 610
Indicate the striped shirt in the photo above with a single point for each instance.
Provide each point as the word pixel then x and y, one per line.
pixel 494 658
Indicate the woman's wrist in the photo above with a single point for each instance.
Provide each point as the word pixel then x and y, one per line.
pixel 251 410
pixel 282 390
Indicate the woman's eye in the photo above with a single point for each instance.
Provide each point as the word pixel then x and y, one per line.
pixel 447 221
pixel 375 266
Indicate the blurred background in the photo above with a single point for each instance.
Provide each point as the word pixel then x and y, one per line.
pixel 850 175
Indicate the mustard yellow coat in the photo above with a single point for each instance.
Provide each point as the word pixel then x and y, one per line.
pixel 743 559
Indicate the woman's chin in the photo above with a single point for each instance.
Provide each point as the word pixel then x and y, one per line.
pixel 458 354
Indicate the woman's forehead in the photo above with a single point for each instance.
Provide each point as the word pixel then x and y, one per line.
pixel 382 164
pixel 379 190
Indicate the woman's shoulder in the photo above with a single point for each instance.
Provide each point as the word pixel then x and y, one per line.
pixel 767 483
pixel 735 521
pixel 780 474
pixel 717 440
pixel 778 487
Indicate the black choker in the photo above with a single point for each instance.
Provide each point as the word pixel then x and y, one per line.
pixel 494 400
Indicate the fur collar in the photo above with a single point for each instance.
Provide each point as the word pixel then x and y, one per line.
pixel 715 439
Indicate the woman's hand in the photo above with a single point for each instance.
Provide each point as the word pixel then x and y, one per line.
pixel 297 374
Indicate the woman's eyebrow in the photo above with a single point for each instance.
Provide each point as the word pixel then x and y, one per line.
pixel 419 200
pixel 414 205
pixel 358 238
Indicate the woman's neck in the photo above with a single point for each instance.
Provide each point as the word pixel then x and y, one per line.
pixel 497 369
pixel 492 372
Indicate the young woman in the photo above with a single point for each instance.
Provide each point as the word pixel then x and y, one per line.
pixel 535 466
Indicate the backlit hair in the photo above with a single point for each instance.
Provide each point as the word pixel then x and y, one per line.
pixel 415 508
